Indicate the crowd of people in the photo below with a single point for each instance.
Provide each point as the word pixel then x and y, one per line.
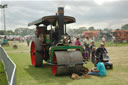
pixel 90 52
pixel 89 48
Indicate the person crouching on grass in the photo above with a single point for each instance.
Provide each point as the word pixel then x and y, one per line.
pixel 100 69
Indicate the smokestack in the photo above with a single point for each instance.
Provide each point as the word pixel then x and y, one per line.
pixel 61 20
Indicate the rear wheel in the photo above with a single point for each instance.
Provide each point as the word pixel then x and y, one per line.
pixel 36 56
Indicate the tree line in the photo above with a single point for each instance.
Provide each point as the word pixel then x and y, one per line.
pixel 82 29
pixel 19 31
pixel 26 31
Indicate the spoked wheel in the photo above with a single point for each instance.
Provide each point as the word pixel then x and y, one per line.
pixel 36 56
pixel 66 60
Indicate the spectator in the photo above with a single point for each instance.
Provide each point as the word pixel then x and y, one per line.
pixel 100 69
pixel 5 41
pixel 103 39
pixel 92 44
pixel 87 40
pixel 93 56
pixel 84 44
pixel 28 40
pixel 100 51
pixel 77 42
pixel 86 50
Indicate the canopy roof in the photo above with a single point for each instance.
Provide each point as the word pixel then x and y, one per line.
pixel 47 20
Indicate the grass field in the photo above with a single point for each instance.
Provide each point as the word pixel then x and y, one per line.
pixel 29 75
pixel 111 44
pixel 3 80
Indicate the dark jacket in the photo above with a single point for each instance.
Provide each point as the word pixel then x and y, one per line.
pixel 100 51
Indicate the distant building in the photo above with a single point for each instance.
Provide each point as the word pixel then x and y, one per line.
pixel 90 34
pixel 120 35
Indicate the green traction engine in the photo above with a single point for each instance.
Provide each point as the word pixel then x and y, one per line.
pixel 48 46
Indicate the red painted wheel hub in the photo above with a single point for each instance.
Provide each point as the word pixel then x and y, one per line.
pixel 33 54
pixel 54 67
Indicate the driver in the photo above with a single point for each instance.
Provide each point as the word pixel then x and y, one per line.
pixel 67 39
pixel 100 51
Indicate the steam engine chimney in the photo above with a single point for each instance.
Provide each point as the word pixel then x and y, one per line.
pixel 61 21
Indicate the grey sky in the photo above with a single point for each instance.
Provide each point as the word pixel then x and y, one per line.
pixel 97 13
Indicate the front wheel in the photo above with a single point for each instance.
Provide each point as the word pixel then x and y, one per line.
pixel 67 62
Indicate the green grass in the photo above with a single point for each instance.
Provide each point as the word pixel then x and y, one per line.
pixel 29 75
pixel 3 80
pixel 111 44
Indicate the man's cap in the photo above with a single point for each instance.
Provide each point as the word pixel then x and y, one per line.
pixel 101 43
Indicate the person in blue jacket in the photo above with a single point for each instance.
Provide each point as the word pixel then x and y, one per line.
pixel 100 69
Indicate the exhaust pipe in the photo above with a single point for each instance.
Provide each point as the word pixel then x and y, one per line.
pixel 61 21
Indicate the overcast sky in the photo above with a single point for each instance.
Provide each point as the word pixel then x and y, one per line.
pixel 97 13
